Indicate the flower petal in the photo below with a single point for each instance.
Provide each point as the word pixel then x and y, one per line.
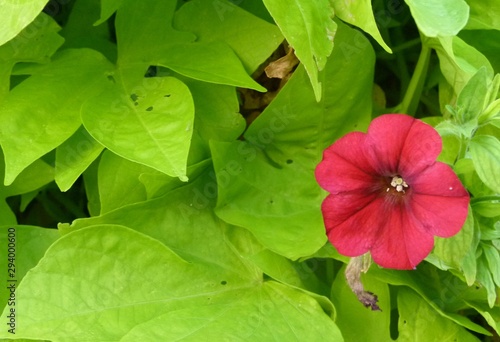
pixel 439 201
pixel 351 221
pixel 344 166
pixel 401 243
pixel 385 140
pixel 421 149
pixel 401 144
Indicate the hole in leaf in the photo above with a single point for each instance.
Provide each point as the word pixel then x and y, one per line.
pixel 289 161
pixel 223 282
pixel 166 95
pixel 134 97
pixel 150 108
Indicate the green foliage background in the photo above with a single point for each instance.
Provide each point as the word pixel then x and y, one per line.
pixel 181 217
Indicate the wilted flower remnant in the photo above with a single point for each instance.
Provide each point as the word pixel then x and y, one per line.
pixel 388 194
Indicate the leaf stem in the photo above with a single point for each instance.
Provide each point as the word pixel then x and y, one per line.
pixel 412 96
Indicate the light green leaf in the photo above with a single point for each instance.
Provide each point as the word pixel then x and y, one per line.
pixel 119 183
pixel 74 156
pixel 219 20
pixel 472 99
pixel 79 31
pixel 99 272
pixel 469 262
pixel 217 117
pixel 309 29
pixel 32 178
pixel 30 246
pixel 458 62
pixel 16 15
pixel 443 291
pixel 491 315
pixel 485 278
pixel 419 322
pixel 90 182
pixel 36 43
pixel 356 322
pixel 141 42
pixel 484 15
pixel 487 207
pixel 453 250
pixel 213 62
pixel 52 115
pixel 217 111
pixel 439 18
pixel 492 257
pixel 359 13
pixel 266 183
pixel 485 153
pixel 182 219
pixel 151 125
pixel 293 273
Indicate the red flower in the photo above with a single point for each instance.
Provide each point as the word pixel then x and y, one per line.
pixel 388 194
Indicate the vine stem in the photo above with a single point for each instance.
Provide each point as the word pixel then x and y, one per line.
pixel 412 96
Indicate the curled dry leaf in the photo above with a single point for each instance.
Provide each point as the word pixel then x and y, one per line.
pixel 353 276
pixel 283 67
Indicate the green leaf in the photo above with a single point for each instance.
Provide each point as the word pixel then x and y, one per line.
pixel 486 206
pixel 217 113
pixel 492 257
pixel 219 20
pixel 114 302
pixel 439 18
pixel 453 250
pixel 182 219
pixel 491 316
pixel 309 29
pixel 74 156
pixel 90 182
pixel 152 125
pixel 472 98
pixel 119 182
pixel 419 322
pixel 213 62
pixel 469 263
pixel 108 7
pixel 485 153
pixel 52 115
pixel 458 62
pixel 140 40
pixel 80 32
pixel 30 245
pixel 16 15
pixel 266 183
pixel 32 178
pixel 485 278
pixel 36 43
pixel 356 322
pixel 296 274
pixel 484 15
pixel 443 291
pixel 360 14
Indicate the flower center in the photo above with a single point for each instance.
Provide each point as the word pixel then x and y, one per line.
pixel 398 183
